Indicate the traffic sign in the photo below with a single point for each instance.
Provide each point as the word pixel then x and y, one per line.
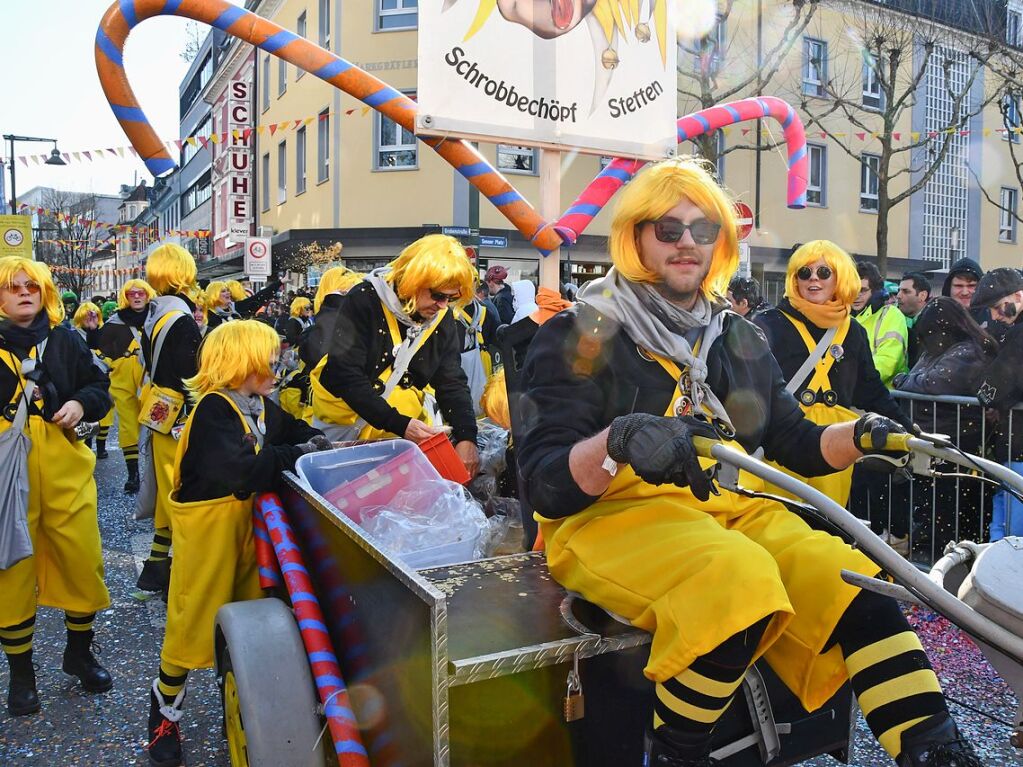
pixel 493 242
pixel 744 220
pixel 257 257
pixel 16 236
pixel 459 231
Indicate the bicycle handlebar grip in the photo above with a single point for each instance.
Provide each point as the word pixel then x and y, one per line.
pixel 894 442
pixel 704 445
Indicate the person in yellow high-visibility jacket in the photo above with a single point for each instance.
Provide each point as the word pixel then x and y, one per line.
pixel 65 567
pixel 235 443
pixel 619 387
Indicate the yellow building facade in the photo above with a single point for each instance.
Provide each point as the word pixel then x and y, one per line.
pixel 329 169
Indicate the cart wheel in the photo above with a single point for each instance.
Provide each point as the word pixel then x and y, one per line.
pixel 267 691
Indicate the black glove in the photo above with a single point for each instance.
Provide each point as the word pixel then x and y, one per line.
pixel 660 449
pixel 319 442
pixel 871 437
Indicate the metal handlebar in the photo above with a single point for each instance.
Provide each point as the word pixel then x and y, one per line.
pixel 905 574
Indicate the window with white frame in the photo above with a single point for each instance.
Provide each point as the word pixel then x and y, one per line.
pixel 870 166
pixel 282 77
pixel 815 67
pixel 300 30
pixel 266 82
pixel 1011 118
pixel 817 184
pixel 1007 215
pixel 1014 23
pixel 517 159
pixel 323 147
pixel 264 182
pixel 324 21
pixel 395 147
pixel 282 172
pixel 397 14
pixel 300 159
pixel 873 96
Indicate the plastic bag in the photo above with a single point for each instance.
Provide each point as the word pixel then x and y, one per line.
pixel 492 442
pixel 506 536
pixel 432 523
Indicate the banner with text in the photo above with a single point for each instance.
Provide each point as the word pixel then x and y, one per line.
pixel 595 75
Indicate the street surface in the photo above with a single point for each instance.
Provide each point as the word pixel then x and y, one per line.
pixel 75 728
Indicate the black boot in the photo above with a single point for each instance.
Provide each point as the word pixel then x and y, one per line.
pixel 658 751
pixel 80 662
pixel 155 575
pixel 164 735
pixel 936 742
pixel 22 697
pixel 132 485
pixel 101 448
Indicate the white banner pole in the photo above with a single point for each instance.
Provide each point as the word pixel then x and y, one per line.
pixel 550 209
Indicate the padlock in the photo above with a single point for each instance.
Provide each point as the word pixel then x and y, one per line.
pixel 573 704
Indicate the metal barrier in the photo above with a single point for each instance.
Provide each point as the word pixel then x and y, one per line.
pixel 923 514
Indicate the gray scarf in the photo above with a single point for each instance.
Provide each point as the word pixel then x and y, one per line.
pixel 657 325
pixel 251 409
pixel 390 299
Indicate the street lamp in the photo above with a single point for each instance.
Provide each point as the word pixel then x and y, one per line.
pixel 53 159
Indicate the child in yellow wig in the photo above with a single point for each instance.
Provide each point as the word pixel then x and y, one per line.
pixel 820 285
pixel 170 344
pixel 88 321
pixel 236 442
pixel 65 567
pixel 394 337
pixel 120 341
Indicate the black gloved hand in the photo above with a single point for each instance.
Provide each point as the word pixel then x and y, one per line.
pixel 660 449
pixel 871 436
pixel 319 442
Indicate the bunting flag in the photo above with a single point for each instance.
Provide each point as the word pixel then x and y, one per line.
pixel 149 231
pixel 58 269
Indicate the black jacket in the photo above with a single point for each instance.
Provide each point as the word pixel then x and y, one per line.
pixel 221 459
pixel 68 373
pixel 1001 385
pixel 116 337
pixel 361 349
pixel 581 372
pixel 247 307
pixel 503 300
pixel 853 377
pixel 179 357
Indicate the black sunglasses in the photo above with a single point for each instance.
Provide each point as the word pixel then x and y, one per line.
pixel 823 273
pixel 436 295
pixel 669 230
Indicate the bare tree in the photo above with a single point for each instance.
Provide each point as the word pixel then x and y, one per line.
pixel 193 42
pixel 880 75
pixel 71 235
pixel 725 65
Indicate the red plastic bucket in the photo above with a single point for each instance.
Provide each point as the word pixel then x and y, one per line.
pixel 441 453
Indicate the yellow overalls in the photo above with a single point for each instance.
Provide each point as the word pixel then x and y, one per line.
pixel 694 573
pixel 331 409
pixel 214 563
pixel 67 564
pixel 823 413
pixel 125 381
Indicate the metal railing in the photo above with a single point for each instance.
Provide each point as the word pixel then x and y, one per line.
pixel 923 514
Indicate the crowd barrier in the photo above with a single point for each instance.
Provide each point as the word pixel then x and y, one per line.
pixel 919 516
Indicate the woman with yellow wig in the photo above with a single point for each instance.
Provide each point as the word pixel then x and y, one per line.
pixel 88 321
pixel 170 345
pixel 219 304
pixel 824 355
pixel 235 443
pixel 245 305
pixel 65 570
pixel 120 342
pixel 395 337
pixel 294 383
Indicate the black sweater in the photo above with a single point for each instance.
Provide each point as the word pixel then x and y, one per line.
pixel 313 345
pixel 361 349
pixel 221 459
pixel 580 373
pixel 69 373
pixel 116 337
pixel 179 355
pixel 853 377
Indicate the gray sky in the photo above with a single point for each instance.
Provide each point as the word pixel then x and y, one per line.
pixel 51 89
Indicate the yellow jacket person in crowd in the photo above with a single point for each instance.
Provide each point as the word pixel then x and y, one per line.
pixel 394 338
pixel 66 569
pixel 235 443
pixel 616 390
pixel 88 321
pixel 170 345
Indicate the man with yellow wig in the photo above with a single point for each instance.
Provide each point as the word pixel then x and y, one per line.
pixel 616 390
pixel 120 341
pixel 170 345
pixel 49 383
pixel 393 338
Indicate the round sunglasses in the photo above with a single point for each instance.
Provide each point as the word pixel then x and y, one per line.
pixel 823 273
pixel 31 286
pixel 669 230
